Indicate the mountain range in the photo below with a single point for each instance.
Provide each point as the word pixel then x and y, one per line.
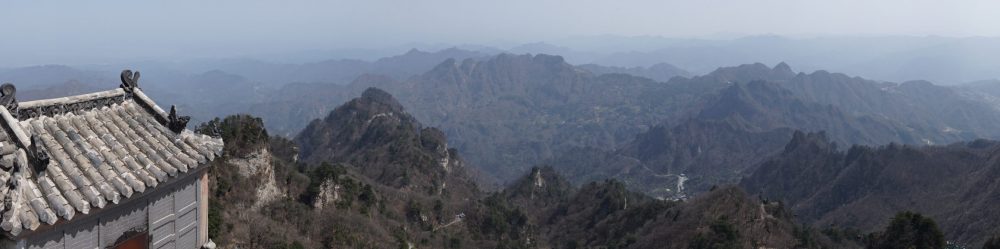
pixel 858 187
pixel 516 151
pixel 510 112
pixel 371 176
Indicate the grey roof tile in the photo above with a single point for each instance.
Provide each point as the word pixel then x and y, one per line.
pixel 105 150
pixel 66 188
pixel 58 202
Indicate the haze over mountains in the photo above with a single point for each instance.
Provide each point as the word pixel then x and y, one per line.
pixel 374 177
pixel 660 135
pixel 942 60
pixel 542 124
pixel 552 107
pixel 827 186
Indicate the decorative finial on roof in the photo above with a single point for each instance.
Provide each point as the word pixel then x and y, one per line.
pixel 38 156
pixel 7 99
pixel 130 81
pixel 176 123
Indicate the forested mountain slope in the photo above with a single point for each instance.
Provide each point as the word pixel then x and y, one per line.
pixel 861 186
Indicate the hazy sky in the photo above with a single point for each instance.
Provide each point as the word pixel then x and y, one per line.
pixel 67 32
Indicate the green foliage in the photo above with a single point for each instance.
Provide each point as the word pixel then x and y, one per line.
pixel 805 238
pixel 501 219
pixel 283 148
pixel 908 230
pixel 368 198
pixel 413 211
pixel 215 221
pixel 438 208
pixel 242 133
pixel 721 235
pixel 290 211
pixel 350 190
pixel 840 235
pixel 325 171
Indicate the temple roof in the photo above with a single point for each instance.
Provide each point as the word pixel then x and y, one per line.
pixel 77 154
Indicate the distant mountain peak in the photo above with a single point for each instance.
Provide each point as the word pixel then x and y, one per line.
pixel 374 135
pixel 660 71
pixel 413 51
pixel 747 99
pixel 783 68
pixel 378 96
pixel 536 58
pixel 446 67
pixel 509 69
pixel 549 59
pixel 755 71
pixel 814 141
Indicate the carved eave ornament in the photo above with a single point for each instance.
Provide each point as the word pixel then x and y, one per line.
pixel 35 154
pixel 176 123
pixel 130 81
pixel 7 99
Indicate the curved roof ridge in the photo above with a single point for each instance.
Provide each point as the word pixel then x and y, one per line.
pixel 76 154
pixel 40 103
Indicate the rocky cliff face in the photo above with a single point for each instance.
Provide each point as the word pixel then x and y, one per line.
pixel 257 165
pixel 365 171
pixel 329 194
pixel 375 136
pixel 372 177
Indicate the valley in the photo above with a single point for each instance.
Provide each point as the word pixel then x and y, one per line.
pixel 517 124
pixel 510 151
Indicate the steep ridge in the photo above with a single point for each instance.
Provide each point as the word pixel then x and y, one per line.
pixel 255 172
pixel 606 214
pixel 367 176
pixel 727 213
pixel 862 187
pixel 734 130
pixel 338 71
pixel 361 178
pixel 509 112
pixel 762 106
pixel 986 92
pixel 920 105
pixel 510 103
pixel 541 188
pixel 513 111
pixel 385 143
pixel 295 94
pixel 935 114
